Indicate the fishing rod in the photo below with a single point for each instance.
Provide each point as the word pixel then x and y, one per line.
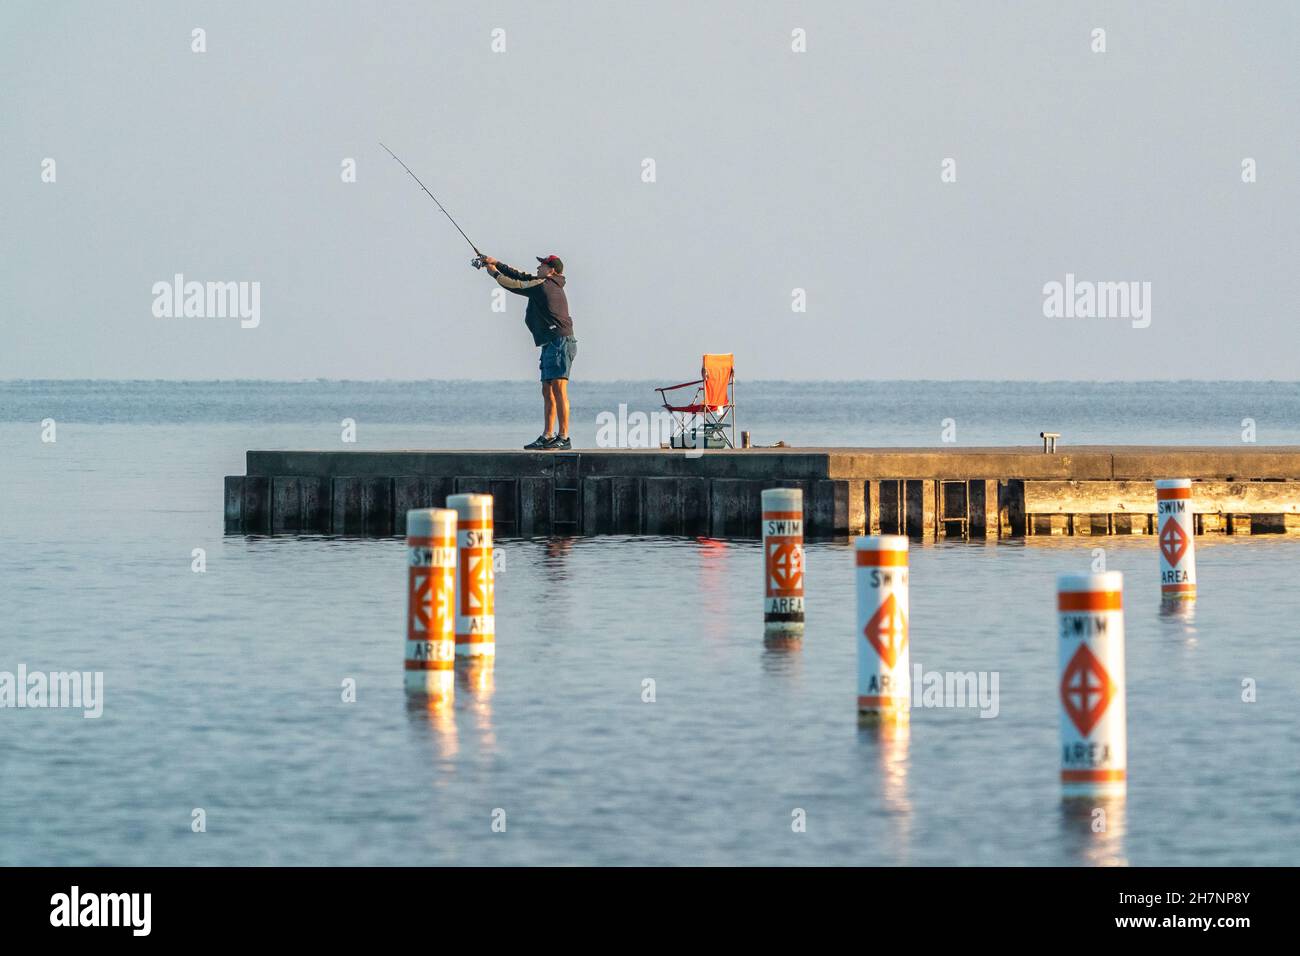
pixel 477 262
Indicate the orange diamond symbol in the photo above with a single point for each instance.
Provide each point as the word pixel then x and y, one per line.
pixel 1086 690
pixel 476 596
pixel 420 619
pixel 784 569
pixel 446 584
pixel 429 611
pixel 1173 542
pixel 887 631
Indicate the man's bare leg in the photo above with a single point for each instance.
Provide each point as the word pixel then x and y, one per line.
pixel 561 402
pixel 548 404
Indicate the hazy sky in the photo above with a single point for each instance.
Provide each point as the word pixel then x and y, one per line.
pixel 775 170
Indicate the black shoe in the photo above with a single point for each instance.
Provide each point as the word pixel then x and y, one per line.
pixel 542 444
pixel 560 444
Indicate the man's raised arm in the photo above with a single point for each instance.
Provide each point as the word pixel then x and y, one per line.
pixel 511 278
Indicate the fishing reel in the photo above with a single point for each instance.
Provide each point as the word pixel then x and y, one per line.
pixel 478 262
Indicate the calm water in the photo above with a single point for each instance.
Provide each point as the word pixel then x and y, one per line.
pixel 223 689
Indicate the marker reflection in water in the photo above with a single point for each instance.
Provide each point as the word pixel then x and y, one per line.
pixel 476 682
pixel 1093 830
pixel 1178 621
pixel 437 714
pixel 885 749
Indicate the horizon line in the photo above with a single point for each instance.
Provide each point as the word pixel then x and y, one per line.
pixel 621 381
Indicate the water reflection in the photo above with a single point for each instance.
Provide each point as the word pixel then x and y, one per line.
pixel 715 589
pixel 1178 621
pixel 436 712
pixel 1093 830
pixel 555 558
pixel 886 745
pixel 782 656
pixel 893 739
pixel 477 680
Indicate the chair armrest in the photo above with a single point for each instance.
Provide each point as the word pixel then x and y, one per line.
pixel 669 388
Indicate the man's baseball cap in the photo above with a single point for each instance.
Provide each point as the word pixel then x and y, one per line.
pixel 553 261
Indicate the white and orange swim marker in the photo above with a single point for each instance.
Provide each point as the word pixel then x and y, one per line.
pixel 884 686
pixel 1176 534
pixel 1090 639
pixel 430 602
pixel 783 608
pixel 475 582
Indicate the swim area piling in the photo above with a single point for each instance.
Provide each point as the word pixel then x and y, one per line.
pixel 977 493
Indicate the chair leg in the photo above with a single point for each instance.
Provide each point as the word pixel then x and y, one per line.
pixel 679 429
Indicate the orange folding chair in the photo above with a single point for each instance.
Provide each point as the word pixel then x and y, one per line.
pixel 711 413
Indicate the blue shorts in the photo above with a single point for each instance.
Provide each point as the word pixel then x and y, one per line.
pixel 557 357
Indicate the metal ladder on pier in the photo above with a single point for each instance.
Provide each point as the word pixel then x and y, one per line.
pixel 943 518
pixel 566 494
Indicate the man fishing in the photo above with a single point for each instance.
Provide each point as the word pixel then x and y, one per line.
pixel 547 317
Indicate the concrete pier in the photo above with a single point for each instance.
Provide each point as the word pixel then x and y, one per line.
pixel 922 493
